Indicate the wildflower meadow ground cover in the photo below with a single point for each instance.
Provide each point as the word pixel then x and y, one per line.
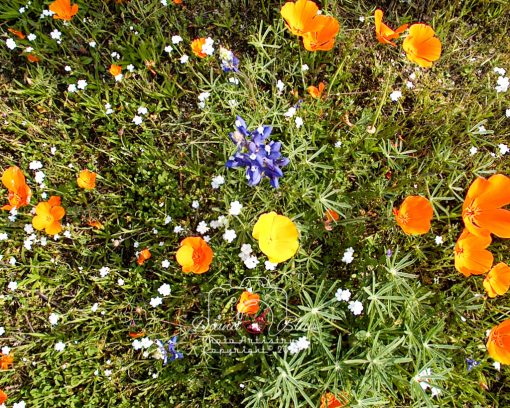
pixel 254 203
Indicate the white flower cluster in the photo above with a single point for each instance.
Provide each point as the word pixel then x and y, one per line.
pixel 348 255
pixel 208 48
pixel 250 261
pixel 298 345
pixel 144 343
pixel 503 82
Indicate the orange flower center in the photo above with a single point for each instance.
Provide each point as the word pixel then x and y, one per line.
pixel 48 219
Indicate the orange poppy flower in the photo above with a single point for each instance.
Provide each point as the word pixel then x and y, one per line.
pixel 482 212
pixel 33 58
pixel 135 335
pixel 384 33
pixel 329 400
pixel 19 192
pixel 143 256
pixel 115 70
pixel 471 257
pixel 497 281
pixel 332 215
pixel 414 215
pixel 498 344
pixel 196 47
pixel 48 216
pixel 248 303
pixel 3 396
pixel 96 224
pixel 421 46
pixel 17 33
pixel 316 92
pixel 324 38
pixel 86 179
pixel 63 9
pixel 177 1
pixel 194 255
pixel 301 17
pixel 6 361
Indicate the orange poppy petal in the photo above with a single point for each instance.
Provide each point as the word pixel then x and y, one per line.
pixel 53 228
pixel 496 194
pixel 496 221
pixel 58 212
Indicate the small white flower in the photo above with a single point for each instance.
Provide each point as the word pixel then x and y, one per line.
pixel 251 262
pixel 137 120
pixel 164 290
pixel 120 282
pixel 507 113
pixel 207 238
pixel 303 343
pixel 2 330
pixel 164 3
pixel 298 121
pixel 104 271
pixel 155 302
pixel 184 59
pixel 356 307
pixel 118 77
pixel 3 236
pixel 67 68
pixel 12 286
pixel 94 307
pixel 203 96
pixel 217 182
pixel 395 95
pixel 60 346
pixel 435 391
pixel 409 85
pixel 233 80
pixel 290 112
pixel 168 220
pixel 142 110
pixel 165 264
pixel 195 204
pixel 11 44
pixel 439 239
pixel 6 350
pixel 270 266
pixel 72 88
pixel 361 19
pixel 137 344
pixel 22 10
pixel 348 256
pixel 82 84
pixel 176 39
pixel 146 342
pixel 178 229
pixel 130 68
pixel 229 235
pixel 235 208
pixel 246 249
pixel 67 234
pixel 202 227
pixel 55 34
pixel 39 177
pixel 35 165
pixel 502 84
pixel 168 49
pixel 53 319
pixel 343 295
pixel 115 54
pixel 500 71
pixel 473 150
pixel 497 365
pixel 503 149
pixel 108 373
pixel 92 44
pixel 280 86
pixel 304 67
pixel 20 404
pixel 136 244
